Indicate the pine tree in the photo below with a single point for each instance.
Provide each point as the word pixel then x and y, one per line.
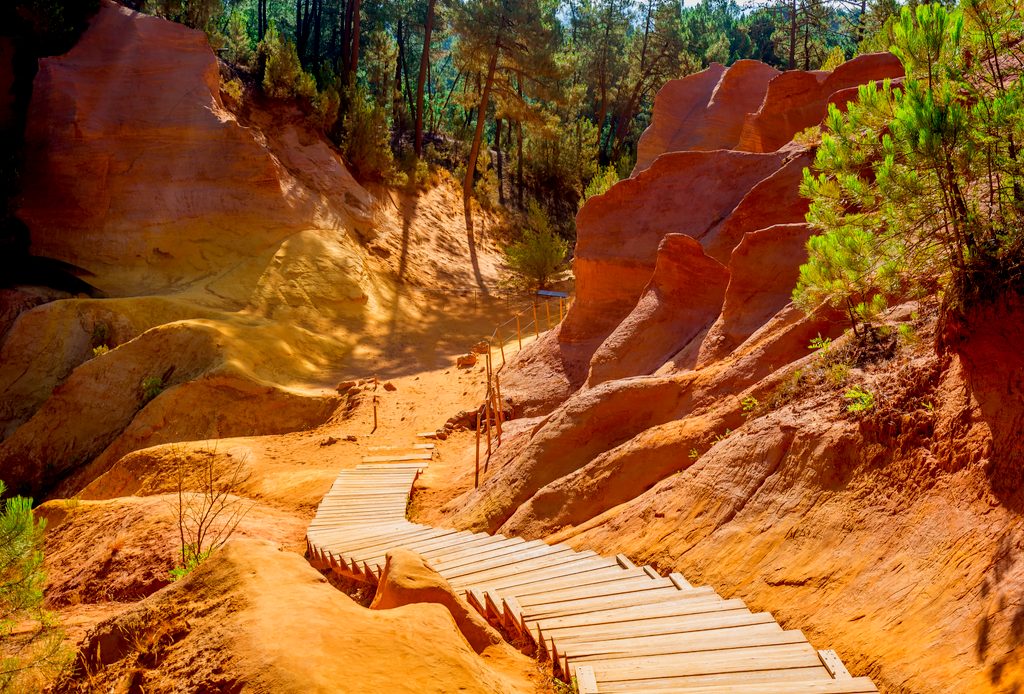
pixel 39 650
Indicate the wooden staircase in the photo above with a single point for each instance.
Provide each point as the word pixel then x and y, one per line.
pixel 609 624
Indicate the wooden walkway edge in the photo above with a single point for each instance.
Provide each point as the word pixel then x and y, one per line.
pixel 608 624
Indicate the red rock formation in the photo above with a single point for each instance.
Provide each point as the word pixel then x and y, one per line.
pixel 763 271
pixel 619 232
pixel 703 111
pixel 135 171
pixel 775 200
pixel 797 100
pixel 684 297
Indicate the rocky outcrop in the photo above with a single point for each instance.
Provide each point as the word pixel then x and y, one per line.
pixel 763 272
pixel 620 231
pixel 136 172
pixel 684 297
pixel 797 100
pixel 703 111
pixel 736 459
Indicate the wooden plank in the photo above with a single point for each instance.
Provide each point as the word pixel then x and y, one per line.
pixel 649 570
pixel 738 680
pixel 650 628
pixel 602 575
pixel 830 659
pixel 567 571
pixel 858 685
pixel 479 540
pixel 626 584
pixel 377 553
pixel 651 646
pixel 643 611
pixel 518 560
pixel 624 561
pixel 369 549
pixel 552 563
pixel 586 682
pixel 458 556
pixel 711 663
pixel 560 609
pixel 465 559
pixel 564 653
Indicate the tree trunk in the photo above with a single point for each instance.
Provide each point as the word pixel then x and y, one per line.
pixel 497 147
pixel 353 63
pixel 474 150
pixel 396 97
pixel 519 164
pixel 318 10
pixel 792 35
pixel 428 27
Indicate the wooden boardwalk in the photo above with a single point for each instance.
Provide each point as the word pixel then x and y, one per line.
pixel 613 626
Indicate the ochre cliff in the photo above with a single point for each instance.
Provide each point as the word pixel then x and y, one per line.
pixel 692 427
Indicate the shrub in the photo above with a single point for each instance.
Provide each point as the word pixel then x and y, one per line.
pixel 151 387
pixel 100 350
pixel 21 598
pixel 366 134
pixel 283 76
pixel 540 253
pixel 860 400
pixel 600 183
pixel 749 405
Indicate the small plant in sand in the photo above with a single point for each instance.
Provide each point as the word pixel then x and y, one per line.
pixel 208 507
pixel 100 350
pixel 749 405
pixel 861 400
pixel 694 454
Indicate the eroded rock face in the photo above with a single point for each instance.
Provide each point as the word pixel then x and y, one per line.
pixel 684 296
pixel 703 111
pixel 764 268
pixel 797 100
pixel 136 172
pixel 619 232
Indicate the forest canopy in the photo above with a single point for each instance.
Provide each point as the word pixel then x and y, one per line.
pixel 522 100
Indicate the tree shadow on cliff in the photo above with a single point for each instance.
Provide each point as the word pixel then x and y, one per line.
pixel 988 338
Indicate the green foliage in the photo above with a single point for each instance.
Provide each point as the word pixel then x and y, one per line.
pixel 22 578
pixel 191 559
pixel 600 184
pixel 198 14
pixel 907 334
pixel 835 58
pixel 236 40
pixel 694 454
pixel 366 134
pixel 100 350
pixel 920 189
pixel 540 253
pixel 52 25
pixel 151 387
pixel 820 343
pixel 861 400
pixel 283 76
pixel 749 405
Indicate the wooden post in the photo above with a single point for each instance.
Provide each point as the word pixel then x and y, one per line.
pixel 374 414
pixel 536 325
pixel 560 314
pixel 501 403
pixel 547 311
pixel 487 423
pixel 476 477
pixel 519 334
pixel 497 414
